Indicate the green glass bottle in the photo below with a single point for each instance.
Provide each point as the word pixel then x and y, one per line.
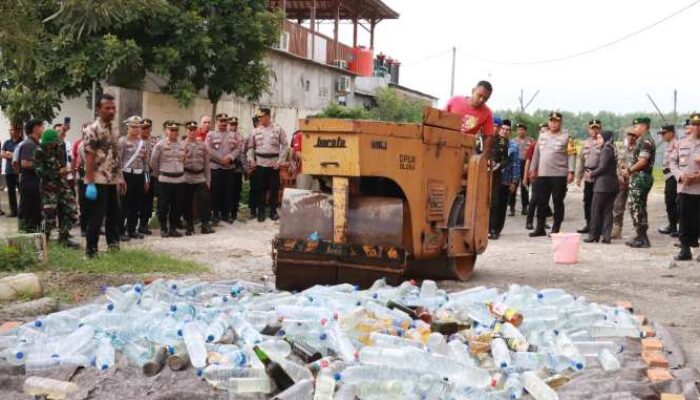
pixel 274 370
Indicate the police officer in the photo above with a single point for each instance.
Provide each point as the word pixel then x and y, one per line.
pixel 523 141
pixel 587 161
pixel 668 133
pixel 267 149
pixel 685 166
pixel 624 153
pixel 167 163
pixel 238 163
pixel 197 180
pixel 104 181
pixel 133 154
pixel 499 162
pixel 223 150
pixel 57 196
pixel 149 142
pixel 641 181
pixel 553 167
pixel 250 173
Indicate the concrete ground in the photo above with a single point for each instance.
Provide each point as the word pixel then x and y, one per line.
pixel 666 292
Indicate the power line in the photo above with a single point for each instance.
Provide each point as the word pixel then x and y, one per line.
pixel 597 48
pixel 430 57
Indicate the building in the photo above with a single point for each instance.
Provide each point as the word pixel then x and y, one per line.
pixel 310 70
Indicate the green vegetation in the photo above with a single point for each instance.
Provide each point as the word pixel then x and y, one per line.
pixel 12 259
pixel 390 106
pixel 126 261
pixel 53 50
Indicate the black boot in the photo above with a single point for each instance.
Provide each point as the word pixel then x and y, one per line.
pixel 539 231
pixel 261 215
pixel 640 242
pixel 684 254
pixel 173 233
pixel 124 237
pixel 591 240
pixel 135 235
pixel 528 226
pixel 65 241
pixel 189 231
pixel 163 233
pixel 512 212
pixel 206 229
pixel 668 230
pixel 584 229
pixel 274 216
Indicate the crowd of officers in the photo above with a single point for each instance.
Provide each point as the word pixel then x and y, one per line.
pixel 613 178
pixel 118 178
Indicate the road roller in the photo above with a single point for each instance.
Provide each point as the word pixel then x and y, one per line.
pixel 395 201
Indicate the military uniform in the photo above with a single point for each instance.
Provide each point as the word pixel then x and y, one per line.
pixel 222 145
pixel 587 161
pixel 101 140
pixel 684 163
pixel 670 184
pixel 640 184
pixel 554 159
pixel 623 162
pixel 197 182
pixel 167 163
pixel 56 194
pixel 499 161
pixel 133 154
pixel 522 144
pixel 267 148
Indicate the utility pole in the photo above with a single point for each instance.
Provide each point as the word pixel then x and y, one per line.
pixel 454 62
pixel 94 98
pixel 657 108
pixel 675 104
pixel 521 99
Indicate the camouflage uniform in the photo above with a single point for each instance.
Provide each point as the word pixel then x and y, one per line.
pixel 623 162
pixel 57 197
pixel 640 185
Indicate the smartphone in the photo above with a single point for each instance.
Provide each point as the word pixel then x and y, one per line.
pixel 66 121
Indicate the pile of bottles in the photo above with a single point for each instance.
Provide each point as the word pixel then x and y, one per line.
pixel 339 342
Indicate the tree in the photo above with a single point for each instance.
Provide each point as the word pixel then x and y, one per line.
pixel 390 105
pixel 54 50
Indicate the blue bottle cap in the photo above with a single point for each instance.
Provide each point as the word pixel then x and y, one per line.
pixel 281 332
pixel 104 367
pixel 323 336
pixel 173 308
pixel 200 372
pixel 137 289
pixel 375 295
pixel 579 366
pixel 355 287
pixel 110 307
pixel 210 338
pixel 55 355
pixel 179 332
pixel 540 295
pixel 38 323
pixel 19 355
pixel 504 365
pixel 171 350
pixel 337 376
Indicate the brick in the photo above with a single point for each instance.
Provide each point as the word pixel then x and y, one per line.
pixel 669 396
pixel 624 304
pixel 652 344
pixel 641 319
pixel 7 326
pixel 659 375
pixel 648 331
pixel 655 359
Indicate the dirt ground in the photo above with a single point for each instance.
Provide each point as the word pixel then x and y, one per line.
pixel 664 291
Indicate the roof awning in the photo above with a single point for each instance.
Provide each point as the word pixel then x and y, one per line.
pixel 370 10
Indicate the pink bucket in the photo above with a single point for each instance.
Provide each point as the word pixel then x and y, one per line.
pixel 565 247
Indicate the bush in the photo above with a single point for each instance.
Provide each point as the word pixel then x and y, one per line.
pixel 12 259
pixel 391 106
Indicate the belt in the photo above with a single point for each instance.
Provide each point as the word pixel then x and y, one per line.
pixel 172 174
pixel 267 155
pixel 194 171
pixel 133 171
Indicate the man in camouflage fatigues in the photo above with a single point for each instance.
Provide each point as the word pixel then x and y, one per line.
pixel 641 181
pixel 623 163
pixel 57 197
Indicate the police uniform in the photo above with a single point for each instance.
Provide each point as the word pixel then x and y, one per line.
pixel 670 183
pixel 684 163
pixel 641 182
pixel 624 152
pixel 146 212
pixel 587 160
pixel 267 147
pixel 522 145
pixel 238 166
pixel 133 153
pixel 197 182
pixel 167 163
pixel 222 145
pixel 57 197
pixel 102 141
pixel 553 161
pixel 249 171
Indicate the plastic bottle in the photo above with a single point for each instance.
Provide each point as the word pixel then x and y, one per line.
pixel 302 390
pixel 70 344
pixel 57 324
pixel 608 361
pixel 276 348
pixel 514 338
pixel 428 289
pixel 537 388
pixel 325 385
pixel 299 312
pixel 296 371
pixel 343 346
pixel 303 350
pixel 359 373
pixel 500 354
pixel 547 295
pixel 523 361
pixel 592 349
pixel 248 385
pixel 384 340
pixel 50 388
pixel 214 372
pixel 245 331
pixel 104 358
pixel 389 390
pixel 217 328
pixel 568 349
pixel 460 353
pixel 513 386
pixel 195 345
pixel 614 330
pixel 437 344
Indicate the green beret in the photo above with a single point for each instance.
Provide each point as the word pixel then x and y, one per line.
pixel 642 120
pixel 49 136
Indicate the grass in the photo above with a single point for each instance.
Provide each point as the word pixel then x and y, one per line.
pixel 126 261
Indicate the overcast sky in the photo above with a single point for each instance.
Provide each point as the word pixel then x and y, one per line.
pixel 616 78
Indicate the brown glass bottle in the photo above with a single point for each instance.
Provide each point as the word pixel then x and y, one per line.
pixel 395 305
pixel 274 370
pixel 303 350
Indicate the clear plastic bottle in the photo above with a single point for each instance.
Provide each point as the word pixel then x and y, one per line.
pixel 513 386
pixel 104 357
pixel 57 324
pixel 592 349
pixel 437 344
pixel 514 338
pixel 214 372
pixel 608 361
pixel 245 330
pixel 50 388
pixel 460 353
pixel 302 390
pixel 568 349
pixel 325 385
pixel 70 344
pixel 295 371
pixel 614 330
pixel 248 385
pixel 217 328
pixel 384 340
pixel 479 294
pixel 276 348
pixel 390 390
pixel 300 312
pixel 547 295
pixel 500 353
pixel 524 361
pixel 343 346
pixel 428 289
pixel 537 388
pixel 537 312
pixel 477 312
pixel 121 301
pixel 195 345
pixel 360 373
